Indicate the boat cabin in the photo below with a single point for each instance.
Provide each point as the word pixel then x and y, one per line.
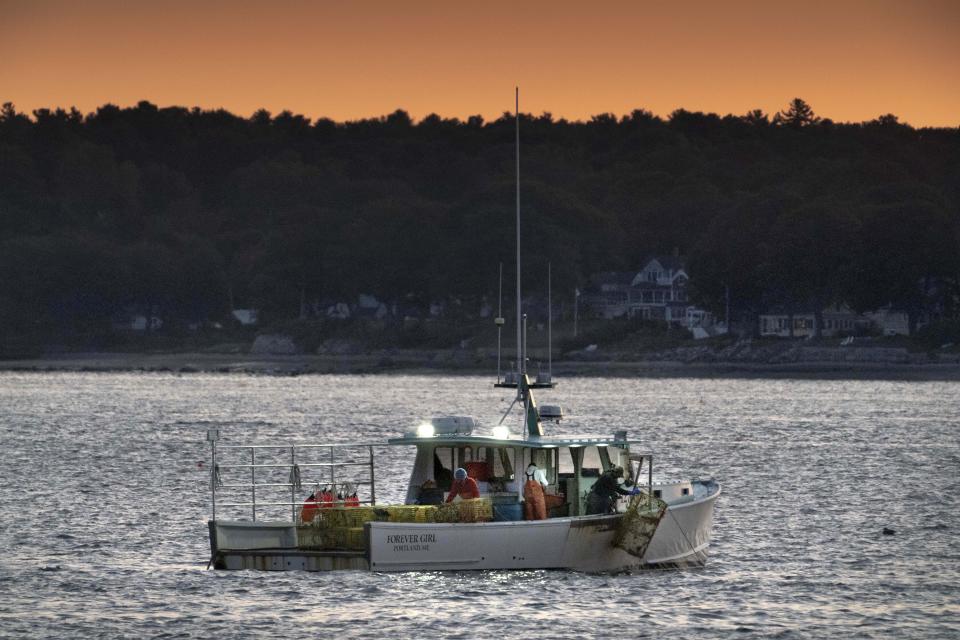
pixel 570 465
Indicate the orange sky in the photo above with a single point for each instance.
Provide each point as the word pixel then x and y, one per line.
pixel 347 59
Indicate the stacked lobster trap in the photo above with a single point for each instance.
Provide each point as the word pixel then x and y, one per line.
pixel 343 527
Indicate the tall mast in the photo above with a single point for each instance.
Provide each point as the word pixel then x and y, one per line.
pixel 521 365
pixel 499 319
pixel 549 324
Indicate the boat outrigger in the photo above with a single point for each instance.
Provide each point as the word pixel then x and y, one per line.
pixel 659 524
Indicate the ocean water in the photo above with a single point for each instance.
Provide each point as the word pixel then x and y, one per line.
pixel 103 510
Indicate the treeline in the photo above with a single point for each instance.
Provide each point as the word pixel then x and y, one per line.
pixel 177 211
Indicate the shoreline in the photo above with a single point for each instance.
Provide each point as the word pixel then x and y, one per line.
pixel 291 365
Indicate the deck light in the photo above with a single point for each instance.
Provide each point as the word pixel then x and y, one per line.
pixel 425 430
pixel 501 432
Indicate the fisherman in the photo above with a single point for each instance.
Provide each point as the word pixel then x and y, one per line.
pixel 326 497
pixel 602 498
pixel 350 497
pixel 441 474
pixel 463 486
pixel 430 494
pixel 534 504
pixel 309 510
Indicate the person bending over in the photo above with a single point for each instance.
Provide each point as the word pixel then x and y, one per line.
pixel 602 498
pixel 463 486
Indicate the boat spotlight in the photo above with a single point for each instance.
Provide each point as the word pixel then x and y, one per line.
pixel 425 430
pixel 501 432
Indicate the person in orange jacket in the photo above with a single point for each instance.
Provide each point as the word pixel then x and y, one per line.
pixel 309 510
pixel 326 498
pixel 463 486
pixel 350 497
pixel 534 504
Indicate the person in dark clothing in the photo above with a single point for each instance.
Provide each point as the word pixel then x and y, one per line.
pixel 441 474
pixel 602 498
pixel 430 493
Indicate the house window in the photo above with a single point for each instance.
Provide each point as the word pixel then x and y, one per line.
pixel 653 276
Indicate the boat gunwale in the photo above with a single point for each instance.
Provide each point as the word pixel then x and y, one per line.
pixel 576 521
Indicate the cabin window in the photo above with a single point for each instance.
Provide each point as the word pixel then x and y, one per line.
pixel 565 461
pixel 465 455
pixel 616 457
pixel 543 458
pixel 499 462
pixel 592 465
pixel 685 491
pixel 443 466
pixel 608 458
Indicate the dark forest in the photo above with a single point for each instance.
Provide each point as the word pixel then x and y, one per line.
pixel 183 212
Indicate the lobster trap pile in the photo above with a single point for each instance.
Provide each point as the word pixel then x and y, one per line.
pixel 341 528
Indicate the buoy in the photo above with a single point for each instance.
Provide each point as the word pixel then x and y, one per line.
pixel 887 531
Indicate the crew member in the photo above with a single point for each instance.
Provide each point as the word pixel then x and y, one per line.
pixel 441 474
pixel 603 496
pixel 463 486
pixel 430 494
pixel 534 504
pixel 350 497
pixel 309 510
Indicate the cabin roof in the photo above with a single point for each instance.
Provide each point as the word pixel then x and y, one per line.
pixel 530 443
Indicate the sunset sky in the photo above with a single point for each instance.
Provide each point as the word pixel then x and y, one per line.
pixel 346 60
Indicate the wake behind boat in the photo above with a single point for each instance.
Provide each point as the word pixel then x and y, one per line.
pixel 476 498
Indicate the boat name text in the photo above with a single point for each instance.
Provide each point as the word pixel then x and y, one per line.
pixel 411 541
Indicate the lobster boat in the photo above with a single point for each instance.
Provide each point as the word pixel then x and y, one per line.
pixel 663 524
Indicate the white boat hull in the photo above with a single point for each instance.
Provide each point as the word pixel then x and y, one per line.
pixel 577 543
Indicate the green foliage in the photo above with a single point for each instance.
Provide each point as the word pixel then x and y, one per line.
pixel 174 211
pixel 624 333
pixel 943 335
pixel 798 114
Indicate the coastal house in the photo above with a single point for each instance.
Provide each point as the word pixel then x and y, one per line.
pixel 837 320
pixel 370 308
pixel 890 322
pixel 607 294
pixel 657 292
pixel 246 317
pixel 136 322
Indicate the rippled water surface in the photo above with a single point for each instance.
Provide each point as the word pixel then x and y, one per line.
pixel 104 510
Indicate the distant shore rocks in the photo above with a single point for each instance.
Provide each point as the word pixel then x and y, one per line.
pixel 274 344
pixel 334 347
pixel 749 351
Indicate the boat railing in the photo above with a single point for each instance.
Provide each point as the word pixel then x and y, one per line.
pixel 271 478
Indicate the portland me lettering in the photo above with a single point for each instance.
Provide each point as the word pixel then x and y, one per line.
pixel 411 541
